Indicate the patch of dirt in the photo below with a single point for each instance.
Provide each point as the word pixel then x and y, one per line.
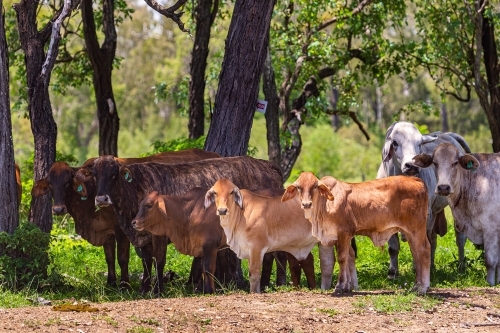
pixel 467 310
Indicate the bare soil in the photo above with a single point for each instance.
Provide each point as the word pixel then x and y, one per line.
pixel 467 310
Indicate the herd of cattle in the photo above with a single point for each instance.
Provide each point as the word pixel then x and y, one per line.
pixel 202 202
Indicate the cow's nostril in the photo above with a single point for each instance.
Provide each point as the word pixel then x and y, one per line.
pixel 306 205
pixel 443 188
pixel 58 210
pixel 222 211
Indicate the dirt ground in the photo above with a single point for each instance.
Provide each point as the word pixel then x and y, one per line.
pixel 467 310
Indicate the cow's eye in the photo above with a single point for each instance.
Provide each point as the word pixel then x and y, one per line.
pixel 395 144
pixel 149 206
pixel 454 163
pixel 435 164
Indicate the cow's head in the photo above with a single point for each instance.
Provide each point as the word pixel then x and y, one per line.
pixel 403 141
pixel 151 213
pixel 223 194
pixel 59 182
pixel 106 171
pixel 449 162
pixel 308 187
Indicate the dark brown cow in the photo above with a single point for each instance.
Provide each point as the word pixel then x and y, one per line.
pixel 377 209
pixel 73 191
pixel 126 186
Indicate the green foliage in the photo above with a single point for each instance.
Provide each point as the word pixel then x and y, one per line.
pixel 399 302
pixel 23 260
pixel 177 144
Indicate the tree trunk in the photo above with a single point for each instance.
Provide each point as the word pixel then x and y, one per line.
pixel 43 125
pixel 444 118
pixel 204 17
pixel 9 214
pixel 492 68
pixel 102 58
pixel 272 111
pixel 236 99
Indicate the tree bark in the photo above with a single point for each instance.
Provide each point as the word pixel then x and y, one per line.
pixel 272 111
pixel 204 16
pixel 102 58
pixel 9 210
pixel 236 99
pixel 492 68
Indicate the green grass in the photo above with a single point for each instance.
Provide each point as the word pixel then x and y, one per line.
pixel 83 267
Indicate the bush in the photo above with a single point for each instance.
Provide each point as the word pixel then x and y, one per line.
pixel 23 256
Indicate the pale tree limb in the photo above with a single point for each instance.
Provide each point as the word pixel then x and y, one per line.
pixel 170 12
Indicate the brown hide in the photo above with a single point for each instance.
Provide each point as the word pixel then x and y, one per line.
pixel 126 193
pixel 193 230
pixel 377 209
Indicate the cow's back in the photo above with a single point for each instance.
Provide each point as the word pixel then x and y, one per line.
pixel 244 172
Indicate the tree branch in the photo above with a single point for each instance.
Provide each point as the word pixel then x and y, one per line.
pixel 335 19
pixel 353 116
pixel 170 12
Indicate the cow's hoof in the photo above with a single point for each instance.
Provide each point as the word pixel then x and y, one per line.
pixel 125 285
pixel 392 274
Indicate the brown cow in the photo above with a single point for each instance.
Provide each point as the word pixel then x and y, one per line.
pixel 377 209
pixel 73 191
pixel 255 224
pixel 126 186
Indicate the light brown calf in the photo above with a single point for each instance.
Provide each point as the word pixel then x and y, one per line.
pixel 377 209
pixel 256 224
pixel 193 230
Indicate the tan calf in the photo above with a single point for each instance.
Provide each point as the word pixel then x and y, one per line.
pixel 193 230
pixel 256 224
pixel 377 209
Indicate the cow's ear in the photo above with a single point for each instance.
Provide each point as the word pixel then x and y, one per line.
pixel 40 188
pixel 325 191
pixel 428 138
pixel 468 162
pixel 290 192
pixel 422 160
pixel 80 188
pixel 161 205
pixel 209 198
pixel 387 149
pixel 238 198
pixel 126 174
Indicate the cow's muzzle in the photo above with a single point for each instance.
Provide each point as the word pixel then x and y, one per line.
pixel 443 190
pixel 306 204
pixel 59 210
pixel 103 200
pixel 222 211
pixel 137 225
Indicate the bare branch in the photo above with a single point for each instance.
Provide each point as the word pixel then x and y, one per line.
pixel 170 12
pixel 353 116
pixel 50 61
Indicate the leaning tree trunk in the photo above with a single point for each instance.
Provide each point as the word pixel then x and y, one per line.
pixel 102 64
pixel 236 99
pixel 492 68
pixel 204 16
pixel 9 215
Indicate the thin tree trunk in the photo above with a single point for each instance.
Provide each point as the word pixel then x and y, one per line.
pixel 272 111
pixel 9 214
pixel 444 118
pixel 102 58
pixel 204 17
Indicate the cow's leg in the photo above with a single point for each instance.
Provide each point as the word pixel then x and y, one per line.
pixel 254 267
pixel 160 254
pixel 421 251
pixel 147 266
pixel 394 247
pixel 491 248
pixel 123 250
pixel 110 254
pixel 326 264
pixel 343 248
pixel 280 257
pixel 460 240
pixel 352 269
pixel 308 268
pixel 294 266
pixel 209 260
pixel 267 267
pixel 196 271
pixel 433 243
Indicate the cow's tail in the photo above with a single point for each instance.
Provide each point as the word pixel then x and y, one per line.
pixel 461 141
